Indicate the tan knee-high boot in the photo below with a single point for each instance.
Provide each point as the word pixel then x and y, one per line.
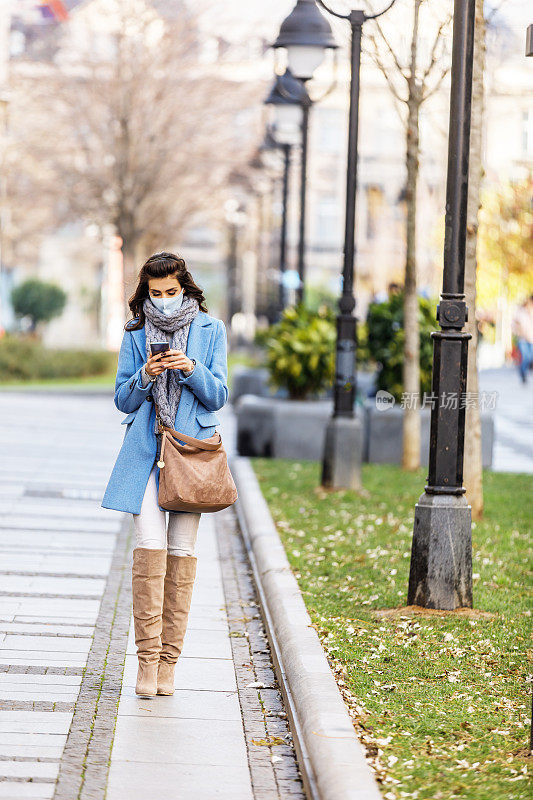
pixel 179 582
pixel 147 582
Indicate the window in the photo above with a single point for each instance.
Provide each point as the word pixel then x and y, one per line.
pixel 331 130
pixel 328 223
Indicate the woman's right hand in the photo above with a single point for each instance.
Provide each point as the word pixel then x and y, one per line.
pixel 154 366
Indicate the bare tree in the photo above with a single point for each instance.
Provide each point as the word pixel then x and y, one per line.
pixel 135 130
pixel 473 474
pixel 411 84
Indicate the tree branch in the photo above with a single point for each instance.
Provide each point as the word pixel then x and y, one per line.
pixel 433 61
pixel 391 51
pixel 436 87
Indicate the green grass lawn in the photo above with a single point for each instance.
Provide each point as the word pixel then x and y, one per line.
pixel 441 700
pixel 88 382
pixel 106 381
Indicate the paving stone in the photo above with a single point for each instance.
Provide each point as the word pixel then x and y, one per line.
pixel 28 769
pixel 28 523
pixel 135 781
pixel 49 607
pixel 57 586
pixel 30 740
pixel 71 543
pixel 204 622
pixel 45 644
pixel 45 629
pixel 208 596
pixel 11 790
pixel 33 721
pixel 84 621
pixel 178 741
pixel 41 659
pixel 54 694
pixel 67 681
pixel 35 751
pixel 185 704
pixel 56 563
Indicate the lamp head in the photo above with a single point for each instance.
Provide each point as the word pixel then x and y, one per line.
pixel 306 34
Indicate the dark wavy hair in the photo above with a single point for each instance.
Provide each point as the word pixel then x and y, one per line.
pixel 160 265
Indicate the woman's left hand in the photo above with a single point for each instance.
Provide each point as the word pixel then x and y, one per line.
pixel 176 359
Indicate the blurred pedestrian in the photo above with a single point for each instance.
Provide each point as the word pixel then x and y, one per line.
pixel 523 328
pixel 169 312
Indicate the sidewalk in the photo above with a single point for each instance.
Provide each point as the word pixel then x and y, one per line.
pixel 194 738
pixel 70 723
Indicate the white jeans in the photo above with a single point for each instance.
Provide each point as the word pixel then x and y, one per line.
pixel 151 525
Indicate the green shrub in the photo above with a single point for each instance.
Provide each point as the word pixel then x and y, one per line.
pixel 318 296
pixel 300 351
pixel 385 342
pixel 28 359
pixel 38 300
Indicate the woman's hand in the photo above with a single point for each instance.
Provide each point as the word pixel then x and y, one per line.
pixel 176 359
pixel 155 366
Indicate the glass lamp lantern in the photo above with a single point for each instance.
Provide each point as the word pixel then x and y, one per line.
pixel 287 97
pixel 288 124
pixel 306 34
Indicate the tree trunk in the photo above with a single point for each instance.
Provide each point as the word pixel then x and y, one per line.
pixel 411 362
pixel 473 478
pixel 130 269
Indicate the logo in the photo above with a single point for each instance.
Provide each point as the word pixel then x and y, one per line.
pixel 384 400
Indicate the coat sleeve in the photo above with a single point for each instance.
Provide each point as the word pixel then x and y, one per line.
pixel 129 389
pixel 210 383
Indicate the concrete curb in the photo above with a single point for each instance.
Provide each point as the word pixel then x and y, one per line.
pixel 331 757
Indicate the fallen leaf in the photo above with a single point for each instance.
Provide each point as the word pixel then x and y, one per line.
pixel 271 742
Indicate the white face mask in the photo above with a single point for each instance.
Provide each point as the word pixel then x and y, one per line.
pixel 168 305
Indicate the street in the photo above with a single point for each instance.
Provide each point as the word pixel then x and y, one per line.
pixel 513 417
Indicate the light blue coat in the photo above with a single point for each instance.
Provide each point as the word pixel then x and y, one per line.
pixel 204 391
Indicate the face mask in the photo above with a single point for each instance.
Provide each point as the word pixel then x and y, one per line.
pixel 168 305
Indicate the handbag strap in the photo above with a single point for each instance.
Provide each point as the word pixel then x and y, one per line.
pixel 200 443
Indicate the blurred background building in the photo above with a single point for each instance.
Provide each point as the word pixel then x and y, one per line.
pixel 231 242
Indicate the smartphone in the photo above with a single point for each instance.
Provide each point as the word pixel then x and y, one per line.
pixel 159 347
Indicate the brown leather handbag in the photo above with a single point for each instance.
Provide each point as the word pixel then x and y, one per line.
pixel 194 476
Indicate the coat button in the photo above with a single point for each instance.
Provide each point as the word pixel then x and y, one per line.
pixel 149 398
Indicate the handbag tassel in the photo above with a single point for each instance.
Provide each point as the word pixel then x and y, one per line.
pixel 161 463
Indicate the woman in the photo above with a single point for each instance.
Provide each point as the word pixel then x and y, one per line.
pixel 189 383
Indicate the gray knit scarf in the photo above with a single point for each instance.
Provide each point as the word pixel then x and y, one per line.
pixel 173 328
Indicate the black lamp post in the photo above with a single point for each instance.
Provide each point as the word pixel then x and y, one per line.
pixel 291 101
pixel 302 34
pixel 306 35
pixel 271 146
pixel 441 556
pixel 283 233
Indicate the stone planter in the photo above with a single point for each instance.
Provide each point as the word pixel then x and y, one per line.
pixel 279 428
pixel 384 435
pixel 275 427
